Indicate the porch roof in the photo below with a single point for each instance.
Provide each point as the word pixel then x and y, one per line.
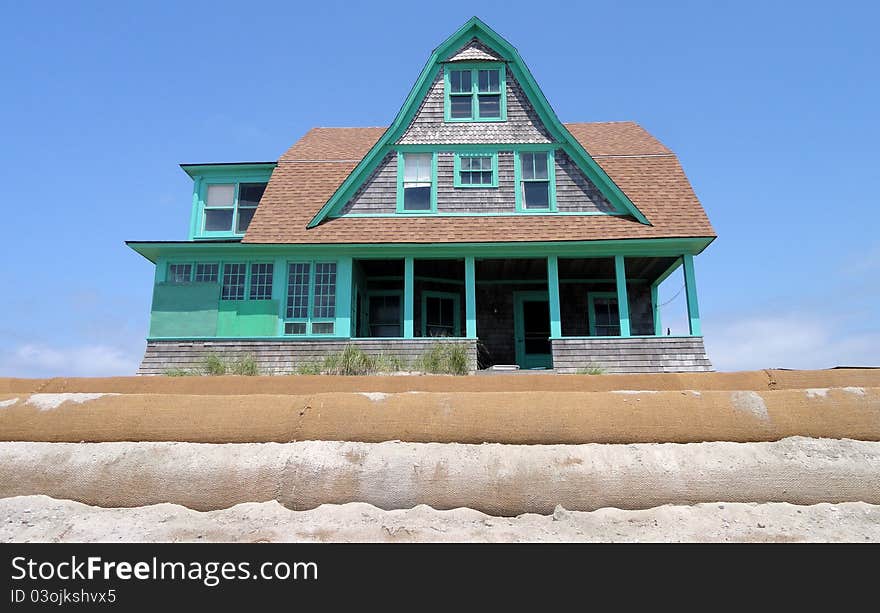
pixel 309 173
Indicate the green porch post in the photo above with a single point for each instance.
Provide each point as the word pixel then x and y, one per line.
pixel 470 301
pixel 553 295
pixel 691 288
pixel 622 301
pixel 343 297
pixel 655 306
pixel 408 297
pixel 279 290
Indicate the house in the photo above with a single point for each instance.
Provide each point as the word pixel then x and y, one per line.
pixel 475 218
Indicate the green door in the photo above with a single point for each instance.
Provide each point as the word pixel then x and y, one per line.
pixel 531 326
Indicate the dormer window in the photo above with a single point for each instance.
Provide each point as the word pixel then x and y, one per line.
pixel 231 205
pixel 475 92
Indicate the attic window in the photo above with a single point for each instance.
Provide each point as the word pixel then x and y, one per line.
pixel 475 92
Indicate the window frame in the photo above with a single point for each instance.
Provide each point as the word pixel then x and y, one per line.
pixel 518 181
pixel 591 312
pixel 204 208
pixel 456 169
pixel 474 68
pixel 401 171
pixel 309 320
pixel 384 292
pixel 456 309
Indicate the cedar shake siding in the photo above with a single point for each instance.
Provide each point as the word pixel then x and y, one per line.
pixel 522 125
pixel 574 192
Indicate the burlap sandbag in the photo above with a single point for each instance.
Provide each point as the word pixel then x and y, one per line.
pixel 496 479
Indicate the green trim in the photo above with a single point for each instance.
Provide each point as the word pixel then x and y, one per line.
pixel 672 268
pixel 474 94
pixel 408 297
pixel 553 295
pixel 401 171
pixel 456 169
pixel 205 251
pixel 470 304
pixel 622 300
pixel 498 214
pixel 341 316
pixel 551 182
pixel 527 360
pixel 475 28
pixel 690 281
pixel 205 176
pixel 456 308
pixel 591 311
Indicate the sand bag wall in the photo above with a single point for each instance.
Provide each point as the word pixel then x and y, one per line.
pixel 622 416
pixel 496 479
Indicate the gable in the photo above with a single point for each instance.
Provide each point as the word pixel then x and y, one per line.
pixel 522 125
pixel 474 50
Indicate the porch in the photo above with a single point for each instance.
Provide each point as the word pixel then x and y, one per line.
pixel 566 313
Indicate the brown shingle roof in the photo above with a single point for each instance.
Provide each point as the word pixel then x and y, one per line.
pixel 310 172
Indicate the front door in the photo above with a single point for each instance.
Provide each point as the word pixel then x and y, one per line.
pixel 531 323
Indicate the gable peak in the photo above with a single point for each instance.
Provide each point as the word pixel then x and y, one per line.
pixel 474 50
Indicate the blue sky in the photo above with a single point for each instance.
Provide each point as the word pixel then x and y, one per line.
pixel 771 106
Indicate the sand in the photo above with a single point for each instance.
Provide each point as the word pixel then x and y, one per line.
pixel 43 519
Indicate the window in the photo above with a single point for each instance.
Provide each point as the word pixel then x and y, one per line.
pixel 604 315
pixel 233 282
pixel 415 183
pixel 261 281
pixel 311 298
pixel 475 93
pixel 249 195
pixel 537 177
pixel 385 315
pixel 206 273
pixel 476 170
pixel 325 291
pixel 179 273
pixel 228 203
pixel 440 314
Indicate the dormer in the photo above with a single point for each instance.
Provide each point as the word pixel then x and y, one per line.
pixel 225 197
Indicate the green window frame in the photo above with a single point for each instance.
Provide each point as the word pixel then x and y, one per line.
pixel 238 280
pixel 369 315
pixel 474 83
pixel 310 298
pixel 591 306
pixel 179 273
pixel 468 167
pixel 423 178
pixel 456 310
pixel 527 174
pixel 240 209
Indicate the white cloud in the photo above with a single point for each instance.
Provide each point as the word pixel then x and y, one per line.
pixel 37 360
pixel 787 342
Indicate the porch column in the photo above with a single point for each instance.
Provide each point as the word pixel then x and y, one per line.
pixel 408 297
pixel 655 306
pixel 622 301
pixel 553 295
pixel 279 289
pixel 690 282
pixel 343 297
pixel 470 297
